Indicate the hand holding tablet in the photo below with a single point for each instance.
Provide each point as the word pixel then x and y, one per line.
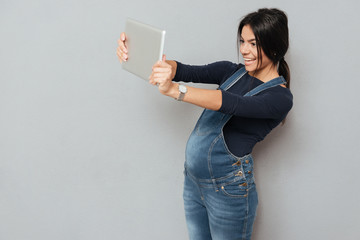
pixel 140 48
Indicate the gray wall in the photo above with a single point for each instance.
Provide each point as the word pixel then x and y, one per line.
pixel 88 151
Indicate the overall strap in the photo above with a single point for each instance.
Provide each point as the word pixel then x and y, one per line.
pixel 266 85
pixel 233 79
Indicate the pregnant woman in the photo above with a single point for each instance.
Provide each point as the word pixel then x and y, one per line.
pixel 253 98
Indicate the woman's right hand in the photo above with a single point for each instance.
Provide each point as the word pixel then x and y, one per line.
pixel 121 50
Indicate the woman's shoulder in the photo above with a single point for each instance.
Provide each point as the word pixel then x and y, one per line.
pixel 280 96
pixel 284 91
pixel 280 92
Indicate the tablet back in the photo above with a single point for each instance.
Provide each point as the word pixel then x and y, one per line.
pixel 145 46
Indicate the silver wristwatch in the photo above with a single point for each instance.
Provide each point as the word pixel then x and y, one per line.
pixel 182 91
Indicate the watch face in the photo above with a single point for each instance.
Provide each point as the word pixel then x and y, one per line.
pixel 182 89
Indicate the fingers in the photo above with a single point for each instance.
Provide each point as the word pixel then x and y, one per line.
pixel 161 64
pixel 157 79
pixel 161 69
pixel 160 76
pixel 123 36
pixel 122 57
pixel 152 80
pixel 122 46
pixel 161 72
pixel 121 50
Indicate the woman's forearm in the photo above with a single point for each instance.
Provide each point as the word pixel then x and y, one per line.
pixel 205 98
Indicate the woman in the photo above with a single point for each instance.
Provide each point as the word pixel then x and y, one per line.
pixel 220 195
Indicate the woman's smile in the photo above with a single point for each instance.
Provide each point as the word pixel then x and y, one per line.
pixel 249 61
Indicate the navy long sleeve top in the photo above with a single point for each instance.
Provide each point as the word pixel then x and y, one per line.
pixel 253 117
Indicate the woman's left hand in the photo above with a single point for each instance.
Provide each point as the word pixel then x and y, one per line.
pixel 162 75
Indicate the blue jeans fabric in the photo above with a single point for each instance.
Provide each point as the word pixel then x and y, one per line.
pixel 220 197
pixel 225 210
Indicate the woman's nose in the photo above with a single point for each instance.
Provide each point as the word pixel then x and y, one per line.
pixel 244 49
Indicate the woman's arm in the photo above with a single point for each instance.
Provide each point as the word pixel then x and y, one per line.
pixel 270 104
pixel 205 98
pixel 162 75
pixel 274 103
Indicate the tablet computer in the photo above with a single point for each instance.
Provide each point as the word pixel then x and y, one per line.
pixel 145 46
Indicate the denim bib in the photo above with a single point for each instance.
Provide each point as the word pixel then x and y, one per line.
pixel 207 155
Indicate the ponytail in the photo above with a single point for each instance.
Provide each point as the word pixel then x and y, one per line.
pixel 284 71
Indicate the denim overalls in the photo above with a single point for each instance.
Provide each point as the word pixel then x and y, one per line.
pixel 220 195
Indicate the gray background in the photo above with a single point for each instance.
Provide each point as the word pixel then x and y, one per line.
pixel 89 151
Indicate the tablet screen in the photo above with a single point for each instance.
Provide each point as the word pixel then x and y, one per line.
pixel 145 46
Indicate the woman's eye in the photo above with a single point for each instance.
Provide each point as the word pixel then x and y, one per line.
pixel 241 41
pixel 253 44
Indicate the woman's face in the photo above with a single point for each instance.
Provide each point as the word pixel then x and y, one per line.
pixel 248 50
